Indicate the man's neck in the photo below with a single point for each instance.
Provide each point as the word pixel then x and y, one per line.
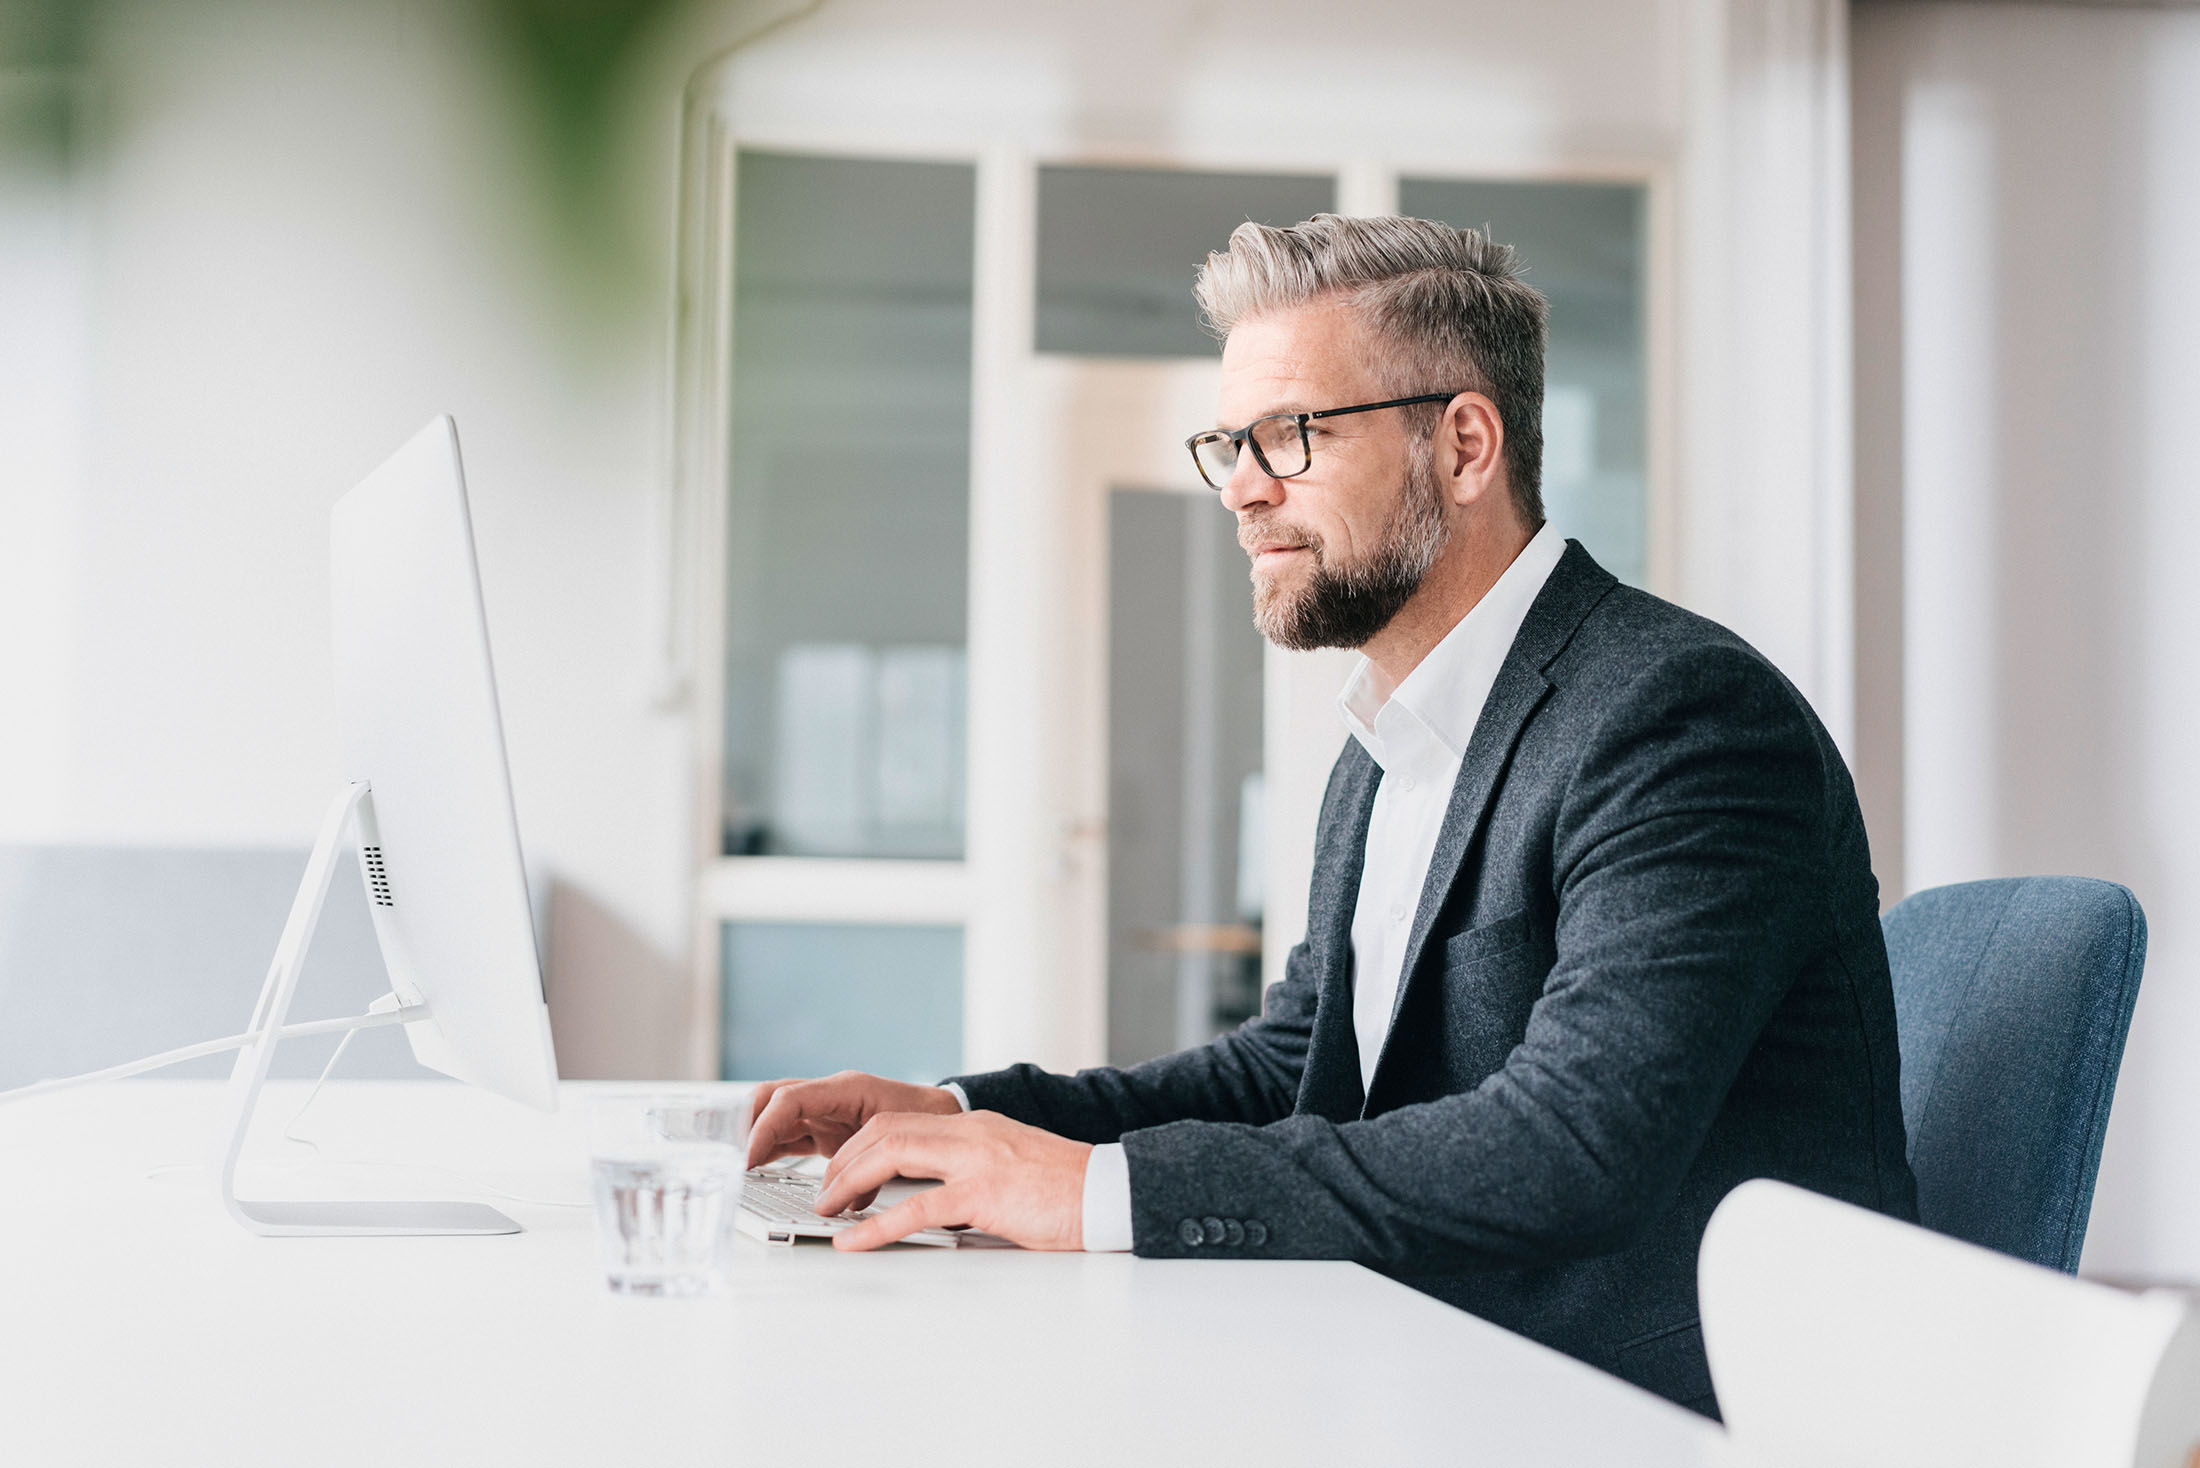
pixel 1471 564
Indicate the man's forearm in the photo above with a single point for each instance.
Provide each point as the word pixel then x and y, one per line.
pixel 1250 1075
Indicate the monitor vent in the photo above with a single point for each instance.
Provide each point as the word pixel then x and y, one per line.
pixel 378 876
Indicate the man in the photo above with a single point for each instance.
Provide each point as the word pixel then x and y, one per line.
pixel 1593 935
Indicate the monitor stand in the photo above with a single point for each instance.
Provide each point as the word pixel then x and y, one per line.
pixel 343 1217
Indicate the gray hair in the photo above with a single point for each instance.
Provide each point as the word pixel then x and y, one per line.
pixel 1449 302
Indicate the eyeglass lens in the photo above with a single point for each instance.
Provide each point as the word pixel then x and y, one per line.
pixel 1280 442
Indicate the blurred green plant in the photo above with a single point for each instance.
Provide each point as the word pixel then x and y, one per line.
pixel 42 51
pixel 569 59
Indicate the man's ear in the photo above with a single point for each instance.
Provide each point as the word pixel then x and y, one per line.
pixel 1471 448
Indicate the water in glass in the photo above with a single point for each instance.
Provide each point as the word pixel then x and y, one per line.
pixel 666 1223
pixel 668 1179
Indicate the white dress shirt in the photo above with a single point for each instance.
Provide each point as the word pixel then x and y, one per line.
pixel 1417 732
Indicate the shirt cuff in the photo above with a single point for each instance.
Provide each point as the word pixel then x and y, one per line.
pixel 962 1098
pixel 1107 1200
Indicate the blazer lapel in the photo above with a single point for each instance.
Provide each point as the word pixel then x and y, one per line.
pixel 1577 583
pixel 1330 1084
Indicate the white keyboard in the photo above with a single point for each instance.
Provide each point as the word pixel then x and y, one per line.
pixel 779 1208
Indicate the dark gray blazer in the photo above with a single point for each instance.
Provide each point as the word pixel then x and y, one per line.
pixel 1647 966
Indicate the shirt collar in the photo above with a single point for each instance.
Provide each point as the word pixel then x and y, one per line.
pixel 1430 716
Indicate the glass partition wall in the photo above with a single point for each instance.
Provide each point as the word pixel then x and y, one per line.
pixel 1116 251
pixel 859 534
pixel 846 603
pixel 1586 246
pixel 848 508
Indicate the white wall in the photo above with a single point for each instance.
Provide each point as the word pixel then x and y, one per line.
pixel 1577 87
pixel 1760 532
pixel 300 229
pixel 293 235
pixel 2028 230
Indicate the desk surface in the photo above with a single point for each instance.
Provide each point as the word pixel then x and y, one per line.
pixel 139 1325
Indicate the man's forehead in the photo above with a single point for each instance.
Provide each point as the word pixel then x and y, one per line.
pixel 1291 361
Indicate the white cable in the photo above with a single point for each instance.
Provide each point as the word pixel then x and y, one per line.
pixel 135 1067
pixel 370 1020
pixel 349 1026
pixel 153 1174
pixel 290 1134
pixel 300 1114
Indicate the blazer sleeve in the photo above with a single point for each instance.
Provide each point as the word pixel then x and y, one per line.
pixel 1691 887
pixel 1249 1076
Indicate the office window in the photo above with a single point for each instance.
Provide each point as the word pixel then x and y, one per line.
pixel 1186 845
pixel 1118 248
pixel 1584 247
pixel 848 507
pixel 1109 911
pixel 804 999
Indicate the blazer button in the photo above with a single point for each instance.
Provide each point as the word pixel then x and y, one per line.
pixel 1191 1233
pixel 1256 1233
pixel 1233 1233
pixel 1212 1229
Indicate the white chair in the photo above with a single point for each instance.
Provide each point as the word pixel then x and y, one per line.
pixel 1839 1336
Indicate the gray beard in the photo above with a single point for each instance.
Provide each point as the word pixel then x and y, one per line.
pixel 1346 605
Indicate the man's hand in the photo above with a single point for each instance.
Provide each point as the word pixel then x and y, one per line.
pixel 1016 1181
pixel 796 1118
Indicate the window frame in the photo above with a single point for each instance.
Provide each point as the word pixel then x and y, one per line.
pixel 1034 950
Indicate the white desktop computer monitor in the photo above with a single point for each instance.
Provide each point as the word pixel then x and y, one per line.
pixel 428 799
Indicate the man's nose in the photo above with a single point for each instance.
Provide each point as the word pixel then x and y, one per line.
pixel 1249 485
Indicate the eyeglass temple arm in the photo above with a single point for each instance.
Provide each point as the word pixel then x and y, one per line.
pixel 1427 397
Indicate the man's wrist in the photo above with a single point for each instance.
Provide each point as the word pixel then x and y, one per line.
pixel 962 1097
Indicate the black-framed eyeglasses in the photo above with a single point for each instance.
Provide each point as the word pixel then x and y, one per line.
pixel 1281 445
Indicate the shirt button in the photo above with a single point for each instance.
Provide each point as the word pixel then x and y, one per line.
pixel 1409 782
pixel 1397 912
pixel 1191 1233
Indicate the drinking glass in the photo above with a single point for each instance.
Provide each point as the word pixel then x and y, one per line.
pixel 667 1172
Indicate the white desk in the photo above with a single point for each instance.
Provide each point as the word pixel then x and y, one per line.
pixel 138 1325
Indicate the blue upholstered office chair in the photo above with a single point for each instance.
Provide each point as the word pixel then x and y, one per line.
pixel 2012 1000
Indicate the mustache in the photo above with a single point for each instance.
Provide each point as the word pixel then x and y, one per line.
pixel 1256 536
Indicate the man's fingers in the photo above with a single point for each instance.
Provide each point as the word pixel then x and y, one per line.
pixel 848 1152
pixel 881 1162
pixel 760 1097
pixel 787 1117
pixel 933 1208
pixel 802 1146
pixel 772 1125
pixel 898 1145
pixel 890 1127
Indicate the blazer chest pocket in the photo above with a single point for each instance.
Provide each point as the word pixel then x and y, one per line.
pixel 1493 975
pixel 1488 940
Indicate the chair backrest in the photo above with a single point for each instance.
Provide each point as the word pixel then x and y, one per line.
pixel 2012 1000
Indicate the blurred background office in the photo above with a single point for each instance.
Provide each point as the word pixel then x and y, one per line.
pixel 877 675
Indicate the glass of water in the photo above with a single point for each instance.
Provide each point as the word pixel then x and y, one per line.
pixel 667 1175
